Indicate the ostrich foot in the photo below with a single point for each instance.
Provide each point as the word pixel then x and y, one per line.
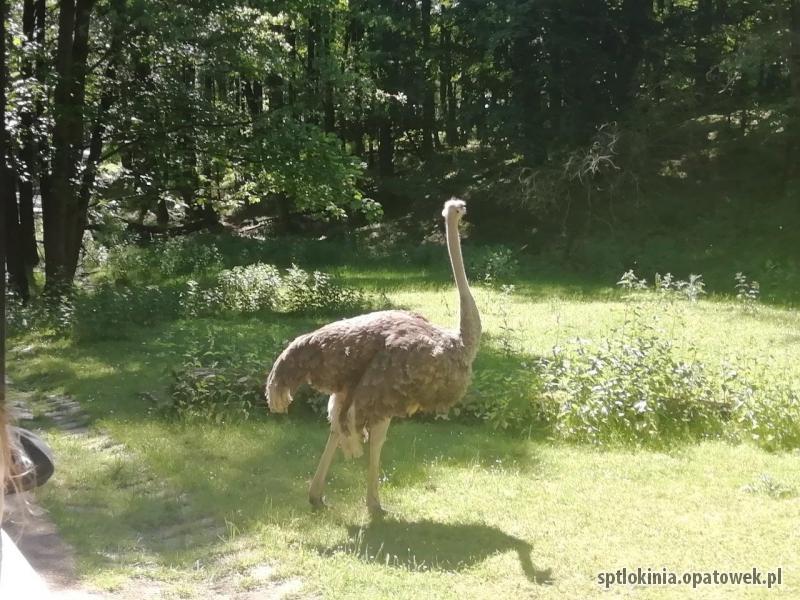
pixel 317 503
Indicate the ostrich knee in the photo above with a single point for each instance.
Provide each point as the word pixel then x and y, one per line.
pixel 377 436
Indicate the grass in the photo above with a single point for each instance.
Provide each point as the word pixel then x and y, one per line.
pixel 190 508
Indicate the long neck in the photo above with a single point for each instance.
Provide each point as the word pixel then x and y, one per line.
pixel 469 318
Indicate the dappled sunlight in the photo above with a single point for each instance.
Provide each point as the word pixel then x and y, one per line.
pixel 152 496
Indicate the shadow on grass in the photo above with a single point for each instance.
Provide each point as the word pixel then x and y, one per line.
pixel 175 496
pixel 429 545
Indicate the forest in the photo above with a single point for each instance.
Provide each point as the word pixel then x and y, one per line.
pixel 189 186
pixel 570 119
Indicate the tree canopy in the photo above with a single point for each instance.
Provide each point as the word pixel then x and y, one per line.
pixel 182 113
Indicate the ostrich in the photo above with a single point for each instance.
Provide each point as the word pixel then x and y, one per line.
pixel 379 366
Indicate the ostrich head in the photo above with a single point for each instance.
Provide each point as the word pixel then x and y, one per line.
pixel 454 209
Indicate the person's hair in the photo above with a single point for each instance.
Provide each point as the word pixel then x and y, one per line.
pixel 5 459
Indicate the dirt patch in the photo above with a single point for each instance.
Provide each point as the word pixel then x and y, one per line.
pixel 38 540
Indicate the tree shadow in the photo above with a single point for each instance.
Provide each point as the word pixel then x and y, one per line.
pixel 429 545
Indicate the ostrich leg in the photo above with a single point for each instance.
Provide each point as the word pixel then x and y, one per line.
pixel 318 483
pixel 377 435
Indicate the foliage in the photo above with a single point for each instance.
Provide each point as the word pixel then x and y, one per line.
pixel 173 257
pixel 104 311
pixel 492 265
pixel 768 486
pixel 747 292
pixel 242 290
pixel 109 310
pixel 260 287
pixel 765 410
pixel 502 397
pixel 217 382
pixel 666 285
pixel 575 117
pixel 638 384
pixel 631 387
pixel 317 293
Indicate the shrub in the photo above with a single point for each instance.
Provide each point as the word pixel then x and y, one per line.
pixel 666 285
pixel 262 287
pixel 317 292
pixel 197 301
pixel 216 383
pixel 765 411
pixel 19 317
pixel 492 264
pixel 630 388
pixel 103 311
pixel 249 289
pixel 108 309
pixel 505 398
pixel 219 380
pixel 747 292
pixel 214 393
pixel 187 255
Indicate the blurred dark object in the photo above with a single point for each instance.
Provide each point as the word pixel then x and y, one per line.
pixel 33 460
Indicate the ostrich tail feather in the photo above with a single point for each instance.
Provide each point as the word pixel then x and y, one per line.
pixel 350 439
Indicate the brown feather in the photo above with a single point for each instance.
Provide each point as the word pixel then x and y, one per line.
pixel 382 362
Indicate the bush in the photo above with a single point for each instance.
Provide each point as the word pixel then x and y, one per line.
pixel 214 393
pixel 220 381
pixel 104 311
pixel 317 292
pixel 249 289
pixel 216 383
pixel 492 264
pixel 108 309
pixel 636 386
pixel 765 411
pixel 504 397
pixel 188 255
pixel 630 388
pixel 262 287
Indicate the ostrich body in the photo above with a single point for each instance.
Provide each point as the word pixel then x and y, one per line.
pixel 380 366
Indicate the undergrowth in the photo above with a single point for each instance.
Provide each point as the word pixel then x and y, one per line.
pixel 640 384
pixel 141 287
pixel 216 381
pixel 637 384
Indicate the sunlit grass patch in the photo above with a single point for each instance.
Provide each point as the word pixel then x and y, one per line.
pixel 190 506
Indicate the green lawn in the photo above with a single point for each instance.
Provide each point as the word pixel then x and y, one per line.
pixel 477 513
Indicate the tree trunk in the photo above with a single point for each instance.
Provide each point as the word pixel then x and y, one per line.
pixel 162 214
pixel 704 52
pixel 59 192
pixel 451 125
pixel 385 147
pixel 792 170
pixel 188 176
pixel 63 220
pixel 5 458
pixel 253 94
pixel 446 97
pixel 17 273
pixel 11 242
pixel 636 16
pixel 275 98
pixel 27 155
pixel 99 126
pixel 329 108
pixel 428 99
